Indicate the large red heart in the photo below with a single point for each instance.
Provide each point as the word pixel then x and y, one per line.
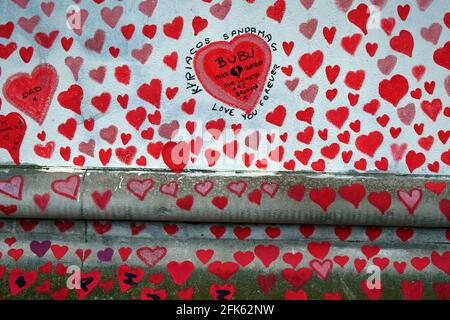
pixel 88 282
pixel 442 56
pixel 33 93
pixel 235 72
pixel 12 132
pixel 20 280
pixel 128 277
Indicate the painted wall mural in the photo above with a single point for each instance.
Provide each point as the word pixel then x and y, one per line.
pixel 335 86
pixel 224 149
pixel 220 262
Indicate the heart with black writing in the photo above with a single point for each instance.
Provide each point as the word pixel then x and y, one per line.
pixel 20 280
pixel 12 132
pixel 88 282
pixel 33 93
pixel 235 72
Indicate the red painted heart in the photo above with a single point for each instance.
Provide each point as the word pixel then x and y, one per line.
pixel 12 129
pixel 32 94
pixel 235 72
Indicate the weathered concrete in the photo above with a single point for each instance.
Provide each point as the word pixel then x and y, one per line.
pixel 414 262
pixel 270 198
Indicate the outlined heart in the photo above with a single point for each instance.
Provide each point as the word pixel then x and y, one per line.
pixel 68 187
pixel 12 187
pixel 140 188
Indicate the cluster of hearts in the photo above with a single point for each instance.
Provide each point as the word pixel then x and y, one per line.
pixel 323 197
pixel 375 134
pixel 305 267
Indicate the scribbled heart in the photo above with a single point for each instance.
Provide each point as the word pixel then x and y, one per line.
pixel 407 113
pixel 224 68
pixel 13 128
pixel 151 256
pixel 32 93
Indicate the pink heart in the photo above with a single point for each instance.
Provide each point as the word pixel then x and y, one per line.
pixel 407 113
pixel 109 134
pixel 96 43
pixel 344 5
pixel 432 33
pixel 21 3
pixel 410 199
pixel 169 130
pixel 87 147
pixel 220 10
pixel 379 3
pixel 238 188
pixel 270 188
pixel 309 95
pixel 47 8
pixel 140 188
pixel 292 84
pixel 170 188
pixel 424 4
pixel 151 256
pixel 322 268
pixel 111 16
pixel 98 74
pixel 307 3
pixel 398 151
pixel 308 28
pixel 387 64
pixel 447 85
pixel 68 187
pixel 12 187
pixel 29 24
pixel 74 64
pixel 147 7
pixel 204 187
pixel 142 54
